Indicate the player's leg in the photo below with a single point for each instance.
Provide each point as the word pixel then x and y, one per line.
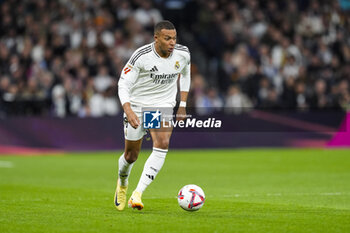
pixel 126 162
pixel 133 142
pixel 154 163
pixel 156 160
pixel 127 159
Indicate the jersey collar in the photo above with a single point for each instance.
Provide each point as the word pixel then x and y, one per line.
pixel 155 52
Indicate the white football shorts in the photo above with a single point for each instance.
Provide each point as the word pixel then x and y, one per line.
pixel 132 134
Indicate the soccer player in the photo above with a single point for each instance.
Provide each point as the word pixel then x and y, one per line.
pixel 149 79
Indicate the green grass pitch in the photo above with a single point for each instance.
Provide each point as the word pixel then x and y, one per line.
pixel 259 190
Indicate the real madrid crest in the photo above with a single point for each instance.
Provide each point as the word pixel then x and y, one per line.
pixel 177 65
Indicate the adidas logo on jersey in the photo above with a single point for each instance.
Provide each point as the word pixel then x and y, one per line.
pixel 154 69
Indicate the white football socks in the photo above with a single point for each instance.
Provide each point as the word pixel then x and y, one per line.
pixel 152 166
pixel 124 170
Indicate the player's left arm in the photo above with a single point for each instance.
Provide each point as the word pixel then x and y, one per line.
pixel 185 83
pixel 181 112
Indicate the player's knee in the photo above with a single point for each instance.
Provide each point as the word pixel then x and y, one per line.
pixel 131 156
pixel 162 143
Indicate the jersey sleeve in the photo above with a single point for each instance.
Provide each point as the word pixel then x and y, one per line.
pixel 185 79
pixel 127 79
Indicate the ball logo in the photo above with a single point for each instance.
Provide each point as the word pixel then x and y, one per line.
pixel 152 119
pixel 192 202
pixel 177 65
pixel 180 196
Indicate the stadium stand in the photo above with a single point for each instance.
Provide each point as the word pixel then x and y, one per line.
pixel 63 58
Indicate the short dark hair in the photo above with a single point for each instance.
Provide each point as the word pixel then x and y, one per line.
pixel 165 24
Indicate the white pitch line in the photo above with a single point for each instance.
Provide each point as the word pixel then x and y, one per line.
pixel 237 195
pixel 240 195
pixel 6 164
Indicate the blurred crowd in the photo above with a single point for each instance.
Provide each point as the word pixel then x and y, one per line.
pixel 274 54
pixel 63 58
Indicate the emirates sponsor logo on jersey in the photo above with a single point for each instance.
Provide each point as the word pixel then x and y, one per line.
pixel 164 78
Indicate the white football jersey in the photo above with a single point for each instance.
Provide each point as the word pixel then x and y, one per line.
pixel 148 80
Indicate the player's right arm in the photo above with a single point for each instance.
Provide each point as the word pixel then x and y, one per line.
pixel 133 120
pixel 127 79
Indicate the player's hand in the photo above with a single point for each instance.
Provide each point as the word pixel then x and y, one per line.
pixel 181 114
pixel 133 120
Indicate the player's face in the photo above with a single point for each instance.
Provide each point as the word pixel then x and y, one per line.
pixel 165 41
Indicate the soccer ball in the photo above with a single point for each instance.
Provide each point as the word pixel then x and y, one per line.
pixel 191 197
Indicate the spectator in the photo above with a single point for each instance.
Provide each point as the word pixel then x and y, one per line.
pixel 209 102
pixel 147 15
pixel 67 52
pixel 272 100
pixel 319 98
pixel 237 102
